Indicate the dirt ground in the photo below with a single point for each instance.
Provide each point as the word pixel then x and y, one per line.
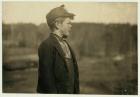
pixel 97 76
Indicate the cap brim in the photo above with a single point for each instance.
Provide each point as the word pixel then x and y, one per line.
pixel 71 15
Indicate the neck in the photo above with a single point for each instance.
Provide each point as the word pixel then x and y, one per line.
pixel 58 33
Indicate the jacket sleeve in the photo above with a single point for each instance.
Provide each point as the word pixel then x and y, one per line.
pixel 46 69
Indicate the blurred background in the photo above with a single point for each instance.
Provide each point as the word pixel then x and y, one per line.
pixel 104 38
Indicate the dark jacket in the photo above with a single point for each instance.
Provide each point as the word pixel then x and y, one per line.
pixel 53 71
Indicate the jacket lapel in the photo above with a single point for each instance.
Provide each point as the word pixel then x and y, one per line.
pixel 74 60
pixel 57 45
pixel 59 48
pixel 71 51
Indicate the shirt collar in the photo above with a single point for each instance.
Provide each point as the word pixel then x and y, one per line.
pixel 60 38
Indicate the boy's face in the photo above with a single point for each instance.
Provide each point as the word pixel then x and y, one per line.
pixel 65 27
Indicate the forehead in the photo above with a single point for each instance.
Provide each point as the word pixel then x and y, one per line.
pixel 67 20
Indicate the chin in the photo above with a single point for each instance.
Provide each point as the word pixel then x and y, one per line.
pixel 65 36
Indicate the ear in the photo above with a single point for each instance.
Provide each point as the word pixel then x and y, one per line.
pixel 58 25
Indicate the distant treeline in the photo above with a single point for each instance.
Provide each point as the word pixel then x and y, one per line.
pixel 87 38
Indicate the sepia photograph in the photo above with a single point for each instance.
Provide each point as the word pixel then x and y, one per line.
pixel 70 47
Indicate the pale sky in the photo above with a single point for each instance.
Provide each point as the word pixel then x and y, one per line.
pixel 35 12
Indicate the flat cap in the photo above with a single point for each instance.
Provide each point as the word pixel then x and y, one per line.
pixel 58 12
